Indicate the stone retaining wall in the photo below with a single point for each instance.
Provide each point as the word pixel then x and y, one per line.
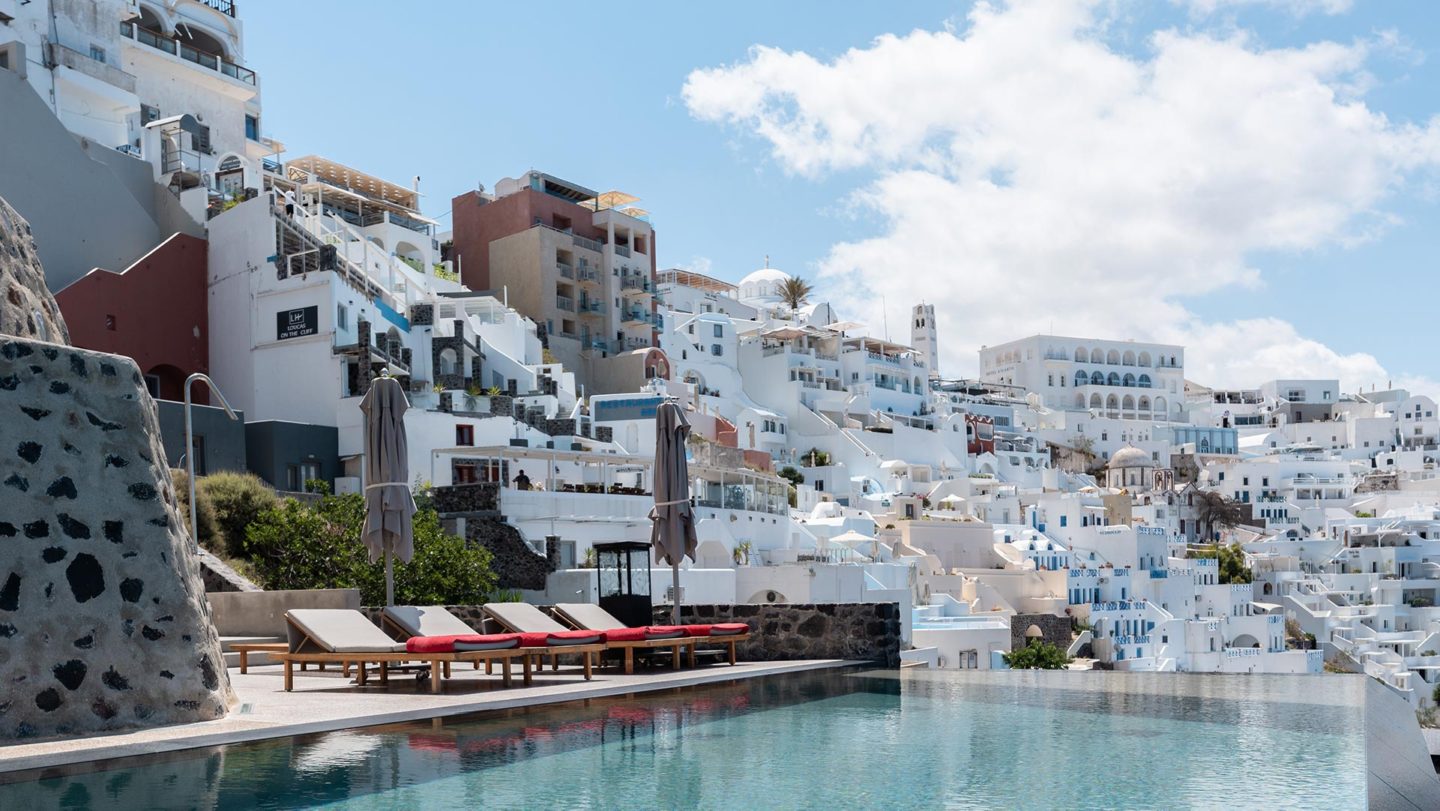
pixel 1055 630
pixel 780 631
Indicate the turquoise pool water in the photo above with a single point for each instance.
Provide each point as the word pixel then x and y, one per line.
pixel 830 739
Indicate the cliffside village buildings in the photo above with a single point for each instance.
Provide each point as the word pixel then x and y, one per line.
pixel 1063 489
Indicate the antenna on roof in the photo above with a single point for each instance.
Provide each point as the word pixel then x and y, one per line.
pixel 767 260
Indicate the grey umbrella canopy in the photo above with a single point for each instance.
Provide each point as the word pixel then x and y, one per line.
pixel 389 507
pixel 672 532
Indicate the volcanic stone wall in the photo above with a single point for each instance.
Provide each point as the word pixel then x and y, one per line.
pixel 783 631
pixel 103 619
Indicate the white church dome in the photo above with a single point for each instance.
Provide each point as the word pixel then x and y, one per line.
pixel 762 286
pixel 1130 457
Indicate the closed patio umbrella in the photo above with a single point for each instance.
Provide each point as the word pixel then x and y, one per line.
pixel 672 533
pixel 389 508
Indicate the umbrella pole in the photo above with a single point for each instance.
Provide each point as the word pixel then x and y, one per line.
pixel 675 609
pixel 389 576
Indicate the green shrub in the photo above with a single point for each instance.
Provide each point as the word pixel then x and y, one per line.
pixel 1037 656
pixel 298 546
pixel 205 525
pixel 238 499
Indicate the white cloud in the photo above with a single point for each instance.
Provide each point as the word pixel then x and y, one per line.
pixel 1299 8
pixel 1030 177
pixel 697 264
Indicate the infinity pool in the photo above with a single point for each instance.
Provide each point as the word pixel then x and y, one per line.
pixel 826 739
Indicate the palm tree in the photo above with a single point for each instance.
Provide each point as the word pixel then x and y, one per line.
pixel 793 291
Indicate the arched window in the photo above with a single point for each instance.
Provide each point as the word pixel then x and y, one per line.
pixel 1144 403
pixel 1080 355
pixel 1128 381
pixel 1097 379
pixel 200 40
pixel 1113 358
pixel 1128 403
pixel 447 361
pixel 1079 401
pixel 1161 406
pixel 1204 444
pixel 1128 359
pixel 1144 381
pixel 1113 379
pixel 1112 403
pixel 150 21
pixel 1096 356
pixel 1081 378
pixel 1094 401
pixel 1144 359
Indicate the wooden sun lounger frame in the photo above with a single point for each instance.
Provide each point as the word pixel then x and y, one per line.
pixel 532 656
pixel 676 644
pixel 439 662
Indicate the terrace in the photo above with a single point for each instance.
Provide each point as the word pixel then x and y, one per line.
pixel 209 59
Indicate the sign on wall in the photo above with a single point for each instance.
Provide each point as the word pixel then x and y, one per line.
pixel 631 408
pixel 297 323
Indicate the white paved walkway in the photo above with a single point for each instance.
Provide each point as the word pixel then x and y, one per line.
pixel 323 702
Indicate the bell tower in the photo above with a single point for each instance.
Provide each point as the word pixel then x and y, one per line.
pixel 924 338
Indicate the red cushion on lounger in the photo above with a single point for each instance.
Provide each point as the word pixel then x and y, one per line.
pixel 718 629
pixel 555 639
pixel 477 642
pixel 665 631
pixel 447 644
pixel 430 644
pixel 625 635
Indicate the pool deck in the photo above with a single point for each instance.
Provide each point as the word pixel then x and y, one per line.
pixel 324 702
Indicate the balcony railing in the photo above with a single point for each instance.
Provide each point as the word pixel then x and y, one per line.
pixel 621 250
pixel 565 303
pixel 587 275
pixel 586 243
pixel 568 271
pixel 639 283
pixel 223 6
pixel 202 58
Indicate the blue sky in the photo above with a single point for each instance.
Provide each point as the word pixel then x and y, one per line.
pixel 462 92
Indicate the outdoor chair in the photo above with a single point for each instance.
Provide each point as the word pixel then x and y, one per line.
pixel 543 636
pixel 346 636
pixel 591 617
pixel 675 637
pixel 436 622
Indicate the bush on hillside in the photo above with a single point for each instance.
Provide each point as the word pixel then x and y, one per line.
pixel 238 499
pixel 299 546
pixel 205 525
pixel 1037 656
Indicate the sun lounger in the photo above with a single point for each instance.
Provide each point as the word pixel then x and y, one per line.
pixel 436 622
pixel 619 637
pixel 543 636
pixel 345 636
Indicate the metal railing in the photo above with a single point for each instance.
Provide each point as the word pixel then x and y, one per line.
pixel 568 271
pixel 621 250
pixel 565 303
pixel 583 242
pixel 204 59
pixel 226 7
